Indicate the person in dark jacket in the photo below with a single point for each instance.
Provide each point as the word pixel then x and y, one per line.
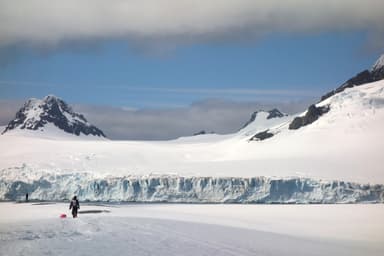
pixel 74 206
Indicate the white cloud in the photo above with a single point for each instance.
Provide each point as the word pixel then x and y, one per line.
pixel 51 22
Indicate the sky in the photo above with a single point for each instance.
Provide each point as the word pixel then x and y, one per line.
pixel 169 58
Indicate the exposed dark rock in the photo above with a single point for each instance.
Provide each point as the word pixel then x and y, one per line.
pixel 202 132
pixel 36 114
pixel 274 113
pixel 313 113
pixel 361 78
pixel 367 76
pixel 262 135
pixel 378 73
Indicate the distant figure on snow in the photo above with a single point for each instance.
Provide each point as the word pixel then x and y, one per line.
pixel 74 206
pixel 26 197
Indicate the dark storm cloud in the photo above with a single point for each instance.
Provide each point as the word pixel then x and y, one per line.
pixel 48 23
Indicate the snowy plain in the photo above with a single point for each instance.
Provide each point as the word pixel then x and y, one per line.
pixel 190 229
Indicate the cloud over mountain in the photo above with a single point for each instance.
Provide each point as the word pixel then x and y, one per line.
pixel 53 22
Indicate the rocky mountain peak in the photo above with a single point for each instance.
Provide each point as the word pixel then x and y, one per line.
pixel 379 64
pixel 36 114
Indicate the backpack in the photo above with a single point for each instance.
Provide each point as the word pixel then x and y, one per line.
pixel 74 204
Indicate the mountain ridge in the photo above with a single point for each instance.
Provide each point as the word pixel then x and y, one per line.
pixel 374 74
pixel 36 114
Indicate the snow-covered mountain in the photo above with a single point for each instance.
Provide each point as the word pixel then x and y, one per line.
pixel 376 73
pixel 51 113
pixel 316 111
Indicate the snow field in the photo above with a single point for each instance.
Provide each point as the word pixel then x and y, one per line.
pixel 176 229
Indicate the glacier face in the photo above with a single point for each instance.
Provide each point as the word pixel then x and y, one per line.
pixel 16 182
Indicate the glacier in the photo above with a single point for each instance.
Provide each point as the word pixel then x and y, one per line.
pixel 58 186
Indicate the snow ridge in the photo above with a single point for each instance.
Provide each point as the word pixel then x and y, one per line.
pixel 16 182
pixel 274 113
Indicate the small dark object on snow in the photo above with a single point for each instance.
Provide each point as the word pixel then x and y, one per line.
pixel 262 135
pixel 93 211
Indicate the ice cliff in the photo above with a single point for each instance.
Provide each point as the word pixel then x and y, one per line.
pixel 16 182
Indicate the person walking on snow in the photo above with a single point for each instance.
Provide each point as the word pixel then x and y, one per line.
pixel 74 206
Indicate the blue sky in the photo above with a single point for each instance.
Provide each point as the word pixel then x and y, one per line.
pixel 280 67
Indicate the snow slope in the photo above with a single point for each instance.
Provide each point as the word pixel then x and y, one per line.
pixel 344 144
